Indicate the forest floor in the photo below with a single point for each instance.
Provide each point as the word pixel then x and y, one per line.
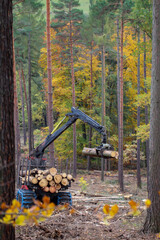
pixel 86 221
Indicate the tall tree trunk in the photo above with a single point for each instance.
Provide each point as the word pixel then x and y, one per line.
pixel 146 109
pixel 91 86
pixel 30 129
pixel 152 223
pixel 118 94
pixel 103 104
pixel 25 91
pixel 7 144
pixel 120 160
pixel 73 103
pixel 50 93
pixel 22 101
pixel 138 118
pixel 16 114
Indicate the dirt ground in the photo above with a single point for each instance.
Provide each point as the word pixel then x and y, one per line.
pixel 87 219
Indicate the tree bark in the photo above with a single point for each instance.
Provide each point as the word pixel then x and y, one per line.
pixel 120 160
pixel 22 101
pixel 50 93
pixel 30 129
pixel 73 101
pixel 118 90
pixel 138 118
pixel 91 103
pixel 16 113
pixel 25 91
pixel 152 223
pixel 7 142
pixel 146 108
pixel 103 102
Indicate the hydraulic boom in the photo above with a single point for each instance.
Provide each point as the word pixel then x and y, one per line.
pixel 73 116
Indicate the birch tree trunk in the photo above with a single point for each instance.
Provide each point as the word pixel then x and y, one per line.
pixel 152 223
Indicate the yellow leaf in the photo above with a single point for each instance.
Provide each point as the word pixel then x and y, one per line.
pixel 15 204
pixel 41 219
pixel 106 209
pixel 20 220
pixel 148 203
pixel 114 210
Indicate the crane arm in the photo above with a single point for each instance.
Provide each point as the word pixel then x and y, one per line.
pixel 73 116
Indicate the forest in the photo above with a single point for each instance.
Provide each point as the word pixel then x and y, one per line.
pixel 94 33
pixel 101 57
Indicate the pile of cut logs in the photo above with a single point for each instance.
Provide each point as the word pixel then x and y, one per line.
pixel 48 180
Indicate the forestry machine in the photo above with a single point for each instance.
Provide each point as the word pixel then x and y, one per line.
pixel 27 191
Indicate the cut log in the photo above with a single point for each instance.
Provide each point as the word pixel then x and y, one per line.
pixel 49 177
pixel 52 189
pixel 58 186
pixel 46 172
pixel 39 177
pixel 34 171
pixel 69 177
pixel 64 182
pixel 40 171
pixel 53 171
pixel 64 175
pixel 46 189
pixel 43 183
pixel 33 180
pixel 57 178
pixel 105 153
pixel 52 183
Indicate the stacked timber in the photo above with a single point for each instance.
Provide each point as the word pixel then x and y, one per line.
pixel 47 180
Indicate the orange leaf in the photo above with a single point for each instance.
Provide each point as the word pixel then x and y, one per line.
pixel 72 211
pixel 133 205
pixel 46 200
pixel 4 206
pixel 106 209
